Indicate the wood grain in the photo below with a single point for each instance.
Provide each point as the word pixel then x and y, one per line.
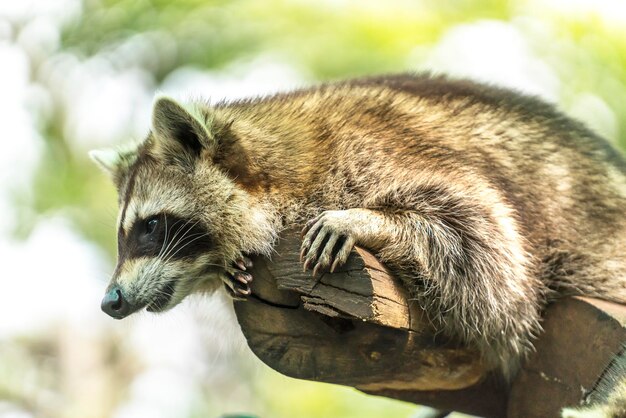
pixel 358 327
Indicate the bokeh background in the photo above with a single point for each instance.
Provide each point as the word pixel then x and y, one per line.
pixel 82 74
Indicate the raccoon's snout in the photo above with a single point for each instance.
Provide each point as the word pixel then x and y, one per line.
pixel 115 304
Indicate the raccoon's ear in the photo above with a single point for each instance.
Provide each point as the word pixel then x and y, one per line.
pixel 115 162
pixel 182 133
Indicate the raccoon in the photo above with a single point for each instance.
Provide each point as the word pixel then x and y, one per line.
pixel 487 203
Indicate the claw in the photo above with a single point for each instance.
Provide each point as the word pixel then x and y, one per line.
pixel 240 278
pixel 244 263
pixel 245 291
pixel 326 243
pixel 241 288
pixel 305 249
pixel 309 224
pixel 307 262
pixel 233 294
pixel 316 269
pixel 236 279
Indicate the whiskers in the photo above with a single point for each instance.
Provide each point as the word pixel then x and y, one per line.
pixel 165 282
pixel 182 238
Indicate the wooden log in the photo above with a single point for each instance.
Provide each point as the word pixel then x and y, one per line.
pixel 581 337
pixel 357 327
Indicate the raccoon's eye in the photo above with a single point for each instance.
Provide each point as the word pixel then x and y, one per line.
pixel 151 225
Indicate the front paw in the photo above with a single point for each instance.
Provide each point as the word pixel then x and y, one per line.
pixel 237 280
pixel 327 241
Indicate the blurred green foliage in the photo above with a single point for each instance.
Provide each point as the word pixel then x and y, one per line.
pixel 328 42
pixel 283 397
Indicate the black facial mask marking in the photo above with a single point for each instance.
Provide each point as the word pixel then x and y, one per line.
pixel 164 235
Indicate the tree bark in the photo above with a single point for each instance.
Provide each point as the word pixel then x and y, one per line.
pixel 358 327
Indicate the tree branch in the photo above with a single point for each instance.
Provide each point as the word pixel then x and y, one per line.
pixel 357 327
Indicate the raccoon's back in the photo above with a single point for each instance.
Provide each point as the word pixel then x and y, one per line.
pixel 559 175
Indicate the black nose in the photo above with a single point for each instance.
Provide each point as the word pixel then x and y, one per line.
pixel 114 304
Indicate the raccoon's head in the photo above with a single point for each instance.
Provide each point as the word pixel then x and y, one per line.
pixel 183 219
